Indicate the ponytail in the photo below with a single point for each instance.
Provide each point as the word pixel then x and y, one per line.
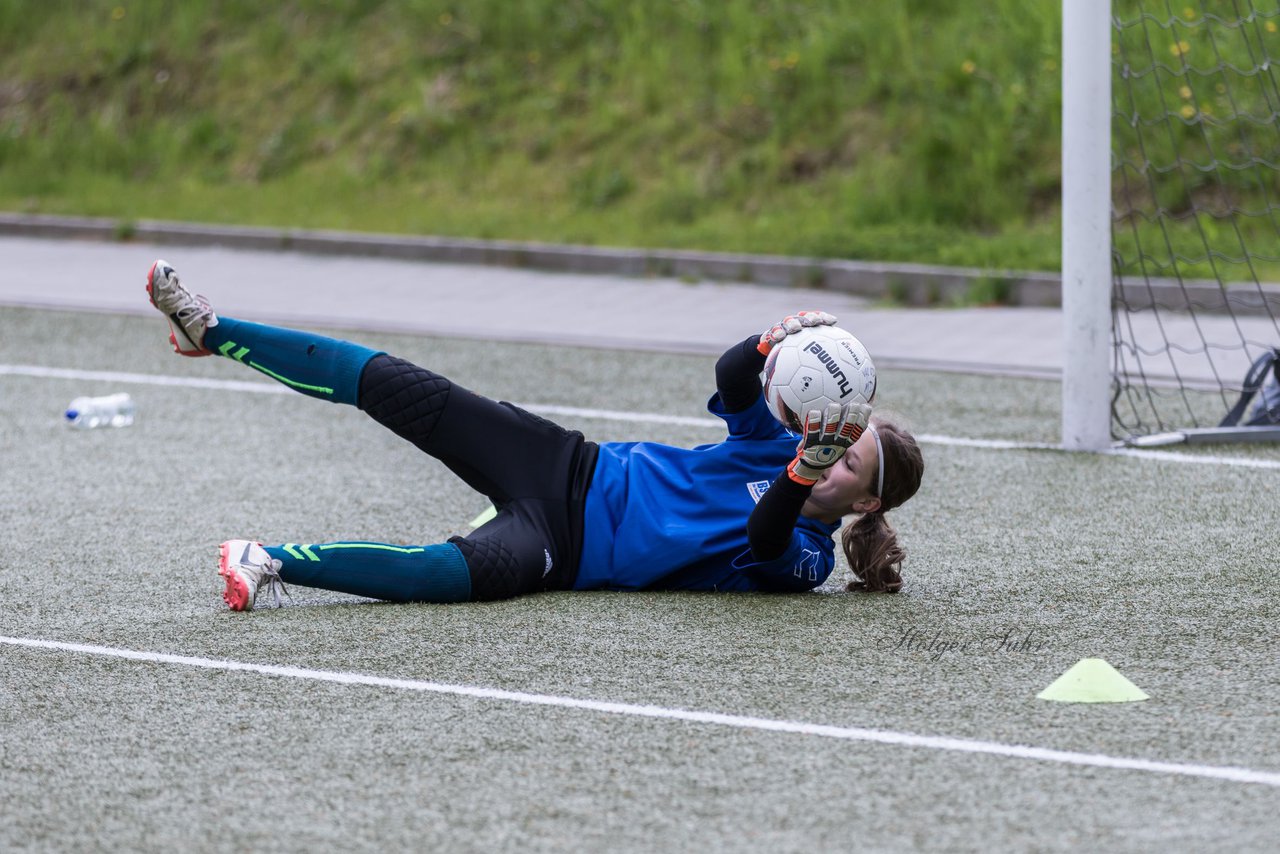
pixel 871 545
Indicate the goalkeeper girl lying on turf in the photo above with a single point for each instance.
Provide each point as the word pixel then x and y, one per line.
pixel 753 512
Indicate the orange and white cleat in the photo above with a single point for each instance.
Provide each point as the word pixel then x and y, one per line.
pixel 245 565
pixel 189 316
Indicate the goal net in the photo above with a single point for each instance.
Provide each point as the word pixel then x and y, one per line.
pixel 1195 189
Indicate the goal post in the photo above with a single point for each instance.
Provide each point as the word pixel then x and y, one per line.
pixel 1086 224
pixel 1170 221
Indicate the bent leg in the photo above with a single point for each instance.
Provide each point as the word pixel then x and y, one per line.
pixel 435 573
pixel 505 562
pixel 321 367
pixel 510 556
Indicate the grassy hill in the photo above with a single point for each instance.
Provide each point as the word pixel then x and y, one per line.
pixel 917 131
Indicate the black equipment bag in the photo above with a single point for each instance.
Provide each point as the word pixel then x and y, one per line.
pixel 1267 411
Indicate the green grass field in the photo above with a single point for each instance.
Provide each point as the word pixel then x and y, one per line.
pixel 917 131
pixel 1164 568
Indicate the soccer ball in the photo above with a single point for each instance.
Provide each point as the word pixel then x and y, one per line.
pixel 814 367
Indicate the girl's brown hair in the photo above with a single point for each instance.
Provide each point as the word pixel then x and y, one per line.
pixel 870 542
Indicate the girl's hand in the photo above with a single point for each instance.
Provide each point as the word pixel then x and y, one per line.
pixel 791 324
pixel 827 435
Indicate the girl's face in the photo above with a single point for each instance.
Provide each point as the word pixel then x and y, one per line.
pixel 849 485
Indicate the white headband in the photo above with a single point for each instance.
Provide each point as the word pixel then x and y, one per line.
pixel 880 456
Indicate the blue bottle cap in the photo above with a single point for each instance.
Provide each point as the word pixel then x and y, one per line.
pixel 72 414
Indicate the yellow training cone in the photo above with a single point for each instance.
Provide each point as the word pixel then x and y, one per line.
pixel 1092 680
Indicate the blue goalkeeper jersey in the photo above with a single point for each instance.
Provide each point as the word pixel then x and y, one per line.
pixel 659 517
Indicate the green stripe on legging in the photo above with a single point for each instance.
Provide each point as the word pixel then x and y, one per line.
pixel 289 382
pixel 379 546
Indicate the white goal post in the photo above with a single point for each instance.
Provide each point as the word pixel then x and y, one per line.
pixel 1086 224
pixel 1170 222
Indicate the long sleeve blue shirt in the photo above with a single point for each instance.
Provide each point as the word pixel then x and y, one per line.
pixel 659 517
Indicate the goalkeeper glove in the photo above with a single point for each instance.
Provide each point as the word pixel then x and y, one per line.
pixel 827 435
pixel 791 324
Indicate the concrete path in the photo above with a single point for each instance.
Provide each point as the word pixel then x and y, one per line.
pixel 588 310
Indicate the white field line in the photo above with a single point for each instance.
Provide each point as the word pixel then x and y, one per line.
pixel 140 379
pixel 1136 453
pixel 900 739
pixel 615 415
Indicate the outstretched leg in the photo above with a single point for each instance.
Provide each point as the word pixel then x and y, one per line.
pixel 314 365
pixel 499 450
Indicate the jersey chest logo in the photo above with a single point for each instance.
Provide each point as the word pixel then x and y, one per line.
pixel 758 489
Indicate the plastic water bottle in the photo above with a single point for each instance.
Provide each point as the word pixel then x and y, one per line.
pixel 113 410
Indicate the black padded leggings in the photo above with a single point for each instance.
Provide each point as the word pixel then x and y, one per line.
pixel 534 471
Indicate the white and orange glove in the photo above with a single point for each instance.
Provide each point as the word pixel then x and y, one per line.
pixel 827 435
pixel 791 324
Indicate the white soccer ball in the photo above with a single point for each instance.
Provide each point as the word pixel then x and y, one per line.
pixel 814 367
